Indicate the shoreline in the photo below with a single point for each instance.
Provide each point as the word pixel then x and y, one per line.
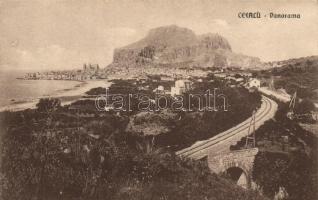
pixel 66 96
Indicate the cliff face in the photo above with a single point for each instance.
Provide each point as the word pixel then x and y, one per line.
pixel 173 44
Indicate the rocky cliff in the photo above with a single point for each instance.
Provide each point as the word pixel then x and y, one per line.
pixel 173 44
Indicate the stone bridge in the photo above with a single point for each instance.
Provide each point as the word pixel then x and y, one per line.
pixel 238 165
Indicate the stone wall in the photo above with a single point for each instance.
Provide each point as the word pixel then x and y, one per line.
pixel 243 159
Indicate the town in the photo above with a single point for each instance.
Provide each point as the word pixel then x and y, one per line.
pixel 89 72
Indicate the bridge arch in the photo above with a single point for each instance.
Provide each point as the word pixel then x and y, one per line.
pixel 236 164
pixel 238 175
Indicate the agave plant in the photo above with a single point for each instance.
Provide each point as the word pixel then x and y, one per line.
pixel 148 147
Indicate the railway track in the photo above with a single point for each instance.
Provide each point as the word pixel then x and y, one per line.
pixel 222 141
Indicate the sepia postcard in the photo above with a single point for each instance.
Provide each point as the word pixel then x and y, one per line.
pixel 158 99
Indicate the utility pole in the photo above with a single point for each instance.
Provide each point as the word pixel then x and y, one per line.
pixel 293 101
pixel 271 84
pixel 290 113
pixel 250 138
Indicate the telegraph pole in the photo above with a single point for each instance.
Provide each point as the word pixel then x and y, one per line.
pixel 250 138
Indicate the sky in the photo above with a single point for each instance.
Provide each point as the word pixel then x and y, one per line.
pixel 64 34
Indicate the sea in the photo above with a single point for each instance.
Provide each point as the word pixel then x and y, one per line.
pixel 15 91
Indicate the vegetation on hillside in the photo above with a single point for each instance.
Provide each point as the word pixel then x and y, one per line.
pixel 288 158
pixel 299 75
pixel 176 128
pixel 295 172
pixel 58 155
pixel 195 126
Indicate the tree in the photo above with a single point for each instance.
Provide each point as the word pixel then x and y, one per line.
pixel 305 107
pixel 48 105
pixel 268 171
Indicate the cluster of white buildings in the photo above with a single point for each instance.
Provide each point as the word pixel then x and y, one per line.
pixel 168 72
pixel 241 78
pixel 89 72
pixel 183 85
pixel 180 87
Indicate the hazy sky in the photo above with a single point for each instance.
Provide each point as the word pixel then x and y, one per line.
pixel 63 34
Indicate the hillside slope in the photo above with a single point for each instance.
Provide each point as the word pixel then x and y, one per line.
pixel 295 75
pixel 115 166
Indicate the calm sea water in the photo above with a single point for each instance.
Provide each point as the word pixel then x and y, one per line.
pixel 14 90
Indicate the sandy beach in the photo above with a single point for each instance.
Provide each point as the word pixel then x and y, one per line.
pixel 67 96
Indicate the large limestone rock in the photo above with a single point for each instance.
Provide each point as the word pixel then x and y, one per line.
pixel 173 44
